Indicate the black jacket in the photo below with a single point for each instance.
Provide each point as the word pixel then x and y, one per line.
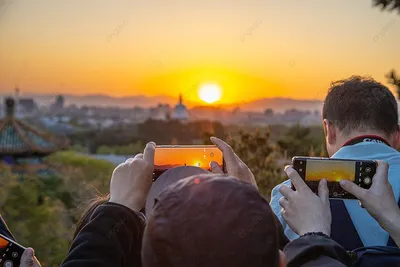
pixel 113 237
pixel 114 234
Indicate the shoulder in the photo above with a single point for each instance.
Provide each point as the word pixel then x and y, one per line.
pixel 275 191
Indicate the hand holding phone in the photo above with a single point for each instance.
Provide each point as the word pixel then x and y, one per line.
pixel 312 170
pixel 234 166
pixel 10 252
pixel 379 201
pixel 302 209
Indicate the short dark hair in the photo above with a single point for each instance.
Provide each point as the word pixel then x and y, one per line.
pixel 361 103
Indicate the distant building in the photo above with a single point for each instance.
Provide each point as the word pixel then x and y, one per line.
pixel 60 102
pixel 180 112
pixel 27 105
pixel 161 112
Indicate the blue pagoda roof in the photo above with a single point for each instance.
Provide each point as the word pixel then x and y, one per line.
pixel 19 138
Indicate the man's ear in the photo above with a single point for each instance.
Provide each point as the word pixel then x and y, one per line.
pixel 330 132
pixel 396 139
pixel 282 259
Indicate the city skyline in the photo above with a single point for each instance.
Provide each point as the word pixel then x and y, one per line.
pixel 252 49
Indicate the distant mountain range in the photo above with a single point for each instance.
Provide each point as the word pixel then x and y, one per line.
pixel 277 104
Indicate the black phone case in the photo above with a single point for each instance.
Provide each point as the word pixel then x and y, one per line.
pixel 11 254
pixel 335 190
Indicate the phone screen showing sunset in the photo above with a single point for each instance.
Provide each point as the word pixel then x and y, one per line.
pixel 3 244
pixel 331 170
pixel 170 157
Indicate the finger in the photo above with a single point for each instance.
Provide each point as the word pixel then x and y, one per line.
pixel 227 151
pixel 132 159
pixel 37 263
pixel 27 258
pixel 296 180
pixel 138 156
pixel 284 203
pixel 353 189
pixel 148 154
pixel 285 215
pixel 381 175
pixel 323 191
pixel 286 191
pixel 215 168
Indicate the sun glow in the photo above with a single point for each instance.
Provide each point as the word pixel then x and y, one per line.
pixel 210 93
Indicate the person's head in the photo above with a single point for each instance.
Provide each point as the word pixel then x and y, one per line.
pixel 88 212
pixel 211 220
pixel 359 106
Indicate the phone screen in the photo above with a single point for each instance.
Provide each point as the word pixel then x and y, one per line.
pixel 10 253
pixel 331 170
pixel 200 156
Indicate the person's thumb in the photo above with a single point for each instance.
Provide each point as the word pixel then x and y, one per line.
pixel 215 168
pixel 27 258
pixel 353 189
pixel 323 192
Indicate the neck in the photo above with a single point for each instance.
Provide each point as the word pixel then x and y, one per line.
pixel 347 138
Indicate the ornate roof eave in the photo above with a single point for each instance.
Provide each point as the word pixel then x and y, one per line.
pixel 60 143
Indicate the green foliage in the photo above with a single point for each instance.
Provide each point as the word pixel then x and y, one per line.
pixel 41 211
pixel 257 152
pixel 78 148
pixel 267 160
pixel 83 178
pixel 35 220
pixel 299 141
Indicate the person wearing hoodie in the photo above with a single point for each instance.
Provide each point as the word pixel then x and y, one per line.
pixel 202 220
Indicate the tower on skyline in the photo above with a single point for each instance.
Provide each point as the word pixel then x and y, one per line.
pixel 180 112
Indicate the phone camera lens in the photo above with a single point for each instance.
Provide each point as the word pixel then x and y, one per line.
pixel 368 170
pixel 367 180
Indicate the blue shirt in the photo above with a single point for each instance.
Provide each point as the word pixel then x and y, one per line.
pixel 368 229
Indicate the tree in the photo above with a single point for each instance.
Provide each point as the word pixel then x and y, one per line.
pixel 42 224
pixel 394 80
pixel 256 151
pixel 299 141
pixel 388 4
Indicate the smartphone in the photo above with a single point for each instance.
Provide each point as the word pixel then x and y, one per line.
pixel 312 170
pixel 10 252
pixel 170 156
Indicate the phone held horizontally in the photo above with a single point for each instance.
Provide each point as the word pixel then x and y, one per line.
pixel 313 169
pixel 170 156
pixel 10 252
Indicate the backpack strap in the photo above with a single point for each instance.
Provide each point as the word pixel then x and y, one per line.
pixel 391 242
pixel 343 230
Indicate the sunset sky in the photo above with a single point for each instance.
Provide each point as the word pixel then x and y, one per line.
pixel 250 48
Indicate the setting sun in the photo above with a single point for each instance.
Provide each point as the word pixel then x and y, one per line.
pixel 210 93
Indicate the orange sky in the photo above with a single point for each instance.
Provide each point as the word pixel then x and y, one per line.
pixel 251 48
